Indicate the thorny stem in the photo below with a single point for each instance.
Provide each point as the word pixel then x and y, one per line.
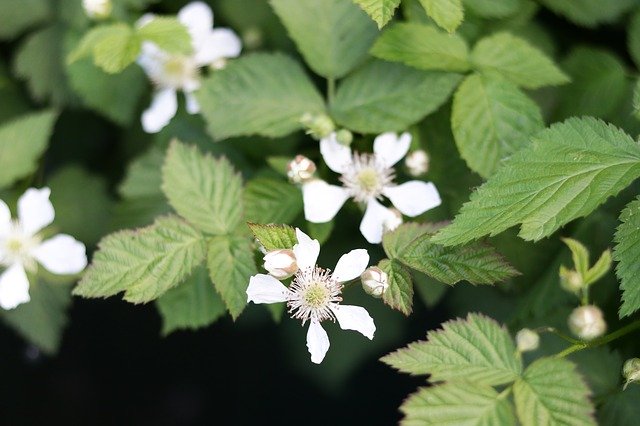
pixel 601 340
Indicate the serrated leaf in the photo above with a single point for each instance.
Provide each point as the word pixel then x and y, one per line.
pixel 264 94
pixel 144 175
pixel 19 15
pixel 461 403
pixel 22 142
pixel 476 349
pixel 493 8
pixel 332 35
pixel 399 295
pixel 491 119
pixel 117 49
pixel 589 13
pixel 191 305
pixel 380 11
pixel 448 14
pixel 143 263
pixel 271 201
pixel 569 170
pixel 627 253
pixel 383 96
pixel 274 237
pixel 551 392
pixel 167 33
pixel 516 60
pixel 422 46
pixel 205 191
pixel 230 263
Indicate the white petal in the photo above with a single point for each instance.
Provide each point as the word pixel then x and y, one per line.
pixel 193 106
pixel 163 107
pixel 351 265
pixel 218 44
pixel 372 225
pixel 198 18
pixel 35 210
pixel 355 318
pixel 414 197
pixel 322 201
pixel 62 254
pixel 266 289
pixel 145 19
pixel 5 218
pixel 14 287
pixel 337 156
pixel 151 59
pixel 306 251
pixel 317 342
pixel 390 148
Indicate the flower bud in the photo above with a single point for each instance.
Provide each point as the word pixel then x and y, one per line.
pixel 417 162
pixel 631 371
pixel 527 340
pixel 374 281
pixel 281 264
pixel 344 137
pixel 300 169
pixel 318 126
pixel 571 280
pixel 393 221
pixel 587 322
pixel 252 38
pixel 97 9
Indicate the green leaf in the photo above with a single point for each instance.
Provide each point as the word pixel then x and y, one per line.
pixel 569 170
pixel 448 14
pixel 551 392
pixel 205 191
pixel 457 404
pixel 380 11
pixel 493 8
pixel 621 409
pixel 476 349
pixel 516 60
pixel 589 13
pixel 274 237
pixel 399 295
pixel 579 254
pixel 271 201
pixel 144 176
pixel 143 263
pixel 633 38
pixel 191 305
pixel 117 49
pixel 491 119
pixel 17 16
pixel 264 94
pixel 22 142
pixel 333 35
pixel 599 269
pixel 422 46
pixel 626 253
pixel 167 33
pixel 383 96
pixel 230 263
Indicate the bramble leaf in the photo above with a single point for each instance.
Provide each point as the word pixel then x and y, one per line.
pixel 626 253
pixel 274 237
pixel 448 14
pixel 380 11
pixel 399 295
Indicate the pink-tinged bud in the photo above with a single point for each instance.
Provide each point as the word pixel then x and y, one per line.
pixel 417 162
pixel 281 264
pixel 374 281
pixel 527 340
pixel 301 169
pixel 587 322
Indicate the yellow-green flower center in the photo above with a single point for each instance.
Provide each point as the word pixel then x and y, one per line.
pixel 315 296
pixel 368 180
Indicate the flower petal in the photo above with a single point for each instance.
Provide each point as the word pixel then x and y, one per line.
pixel 163 107
pixel 390 148
pixel 192 104
pixel 266 289
pixel 14 287
pixel 414 197
pixel 35 210
pixel 5 218
pixel 355 318
pixel 151 60
pixel 62 254
pixel 317 342
pixel 322 201
pixel 337 156
pixel 372 225
pixel 198 18
pixel 351 265
pixel 218 44
pixel 306 251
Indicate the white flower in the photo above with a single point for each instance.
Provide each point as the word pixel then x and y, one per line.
pixel 315 294
pixel 97 9
pixel 300 169
pixel 173 72
pixel 21 247
pixel 417 163
pixel 367 178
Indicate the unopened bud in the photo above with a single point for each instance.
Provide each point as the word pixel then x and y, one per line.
pixel 300 169
pixel 571 280
pixel 318 126
pixel 417 162
pixel 252 38
pixel 631 371
pixel 281 264
pixel 97 9
pixel 374 281
pixel 527 340
pixel 587 322
pixel 344 137
pixel 392 221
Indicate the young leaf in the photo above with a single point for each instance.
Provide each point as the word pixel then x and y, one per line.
pixel 205 191
pixel 168 34
pixel 143 263
pixel 491 119
pixel 493 8
pixel 332 35
pixel 422 46
pixel 626 253
pixel 380 11
pixel 579 254
pixel 599 269
pixel 274 237
pixel 476 349
pixel 457 404
pixel 551 392
pixel 516 60
pixel 116 49
pixel 271 201
pixel 448 14
pixel 264 94
pixel 569 170
pixel 399 295
pixel 383 96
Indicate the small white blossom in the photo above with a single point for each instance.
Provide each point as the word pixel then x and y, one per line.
pixel 300 169
pixel 21 247
pixel 315 294
pixel 587 322
pixel 527 340
pixel 417 163
pixel 281 264
pixel 374 281
pixel 631 371
pixel 173 72
pixel 97 9
pixel 367 178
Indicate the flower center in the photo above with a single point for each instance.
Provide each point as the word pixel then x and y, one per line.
pixel 316 295
pixel 312 294
pixel 16 247
pixel 366 177
pixel 179 72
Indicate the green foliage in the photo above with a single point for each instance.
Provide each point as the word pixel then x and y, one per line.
pixel 569 170
pixel 167 33
pixel 380 11
pixel 633 38
pixel 493 8
pixel 589 13
pixel 19 15
pixel 263 94
pixel 274 237
pixel 399 295
pixel 271 201
pixel 626 253
pixel 448 14
pixel 621 409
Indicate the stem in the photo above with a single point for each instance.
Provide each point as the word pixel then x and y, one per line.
pixel 559 334
pixel 601 340
pixel 331 89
